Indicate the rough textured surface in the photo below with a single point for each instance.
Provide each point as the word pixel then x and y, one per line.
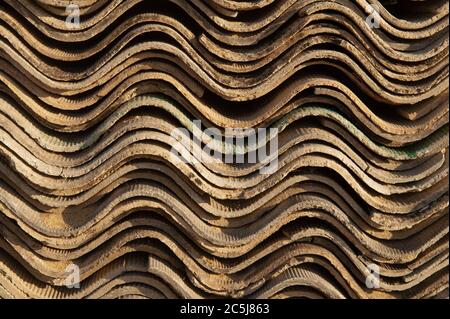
pixel 88 177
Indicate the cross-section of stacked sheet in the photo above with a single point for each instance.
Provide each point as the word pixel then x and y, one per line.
pixel 115 121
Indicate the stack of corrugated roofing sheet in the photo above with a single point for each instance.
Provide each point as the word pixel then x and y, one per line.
pixel 96 95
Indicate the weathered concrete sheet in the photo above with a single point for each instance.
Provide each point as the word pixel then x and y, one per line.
pixel 354 100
